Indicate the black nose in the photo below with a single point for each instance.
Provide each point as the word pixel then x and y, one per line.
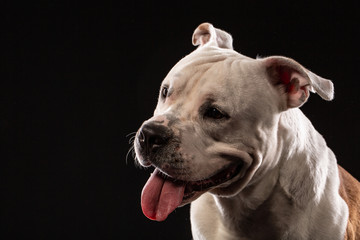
pixel 152 136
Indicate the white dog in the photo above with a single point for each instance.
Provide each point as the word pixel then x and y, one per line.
pixel 228 136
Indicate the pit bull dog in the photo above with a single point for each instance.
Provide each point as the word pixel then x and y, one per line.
pixel 228 137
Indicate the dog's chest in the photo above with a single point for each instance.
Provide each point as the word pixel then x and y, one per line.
pixel 270 220
pixel 229 220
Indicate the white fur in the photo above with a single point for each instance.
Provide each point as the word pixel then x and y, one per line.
pixel 289 183
pixel 306 176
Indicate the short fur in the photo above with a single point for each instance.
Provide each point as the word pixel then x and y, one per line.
pixel 219 110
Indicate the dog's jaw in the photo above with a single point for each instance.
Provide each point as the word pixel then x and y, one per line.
pixel 163 194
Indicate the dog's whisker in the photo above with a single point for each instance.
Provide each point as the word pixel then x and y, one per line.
pixel 131 140
pixel 132 152
pixel 130 134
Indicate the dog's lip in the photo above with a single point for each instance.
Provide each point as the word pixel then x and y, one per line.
pixel 193 188
pixel 227 173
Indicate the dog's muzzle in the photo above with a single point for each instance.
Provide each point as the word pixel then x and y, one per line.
pixel 170 185
pixel 151 138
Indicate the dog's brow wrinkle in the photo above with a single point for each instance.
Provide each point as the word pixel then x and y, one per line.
pixel 159 121
pixel 177 75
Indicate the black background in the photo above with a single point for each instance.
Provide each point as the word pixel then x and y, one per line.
pixel 77 78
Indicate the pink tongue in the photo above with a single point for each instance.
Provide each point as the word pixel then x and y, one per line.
pixel 160 197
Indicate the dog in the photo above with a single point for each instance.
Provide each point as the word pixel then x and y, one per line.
pixel 228 136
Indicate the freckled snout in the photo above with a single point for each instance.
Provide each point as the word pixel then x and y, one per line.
pixel 151 138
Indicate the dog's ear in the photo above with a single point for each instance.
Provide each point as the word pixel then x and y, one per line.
pixel 206 34
pixel 295 81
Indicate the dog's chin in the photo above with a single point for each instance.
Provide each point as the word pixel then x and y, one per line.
pixel 223 178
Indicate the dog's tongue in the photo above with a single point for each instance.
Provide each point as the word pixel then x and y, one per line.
pixel 160 197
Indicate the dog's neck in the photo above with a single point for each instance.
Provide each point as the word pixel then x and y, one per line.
pixel 287 200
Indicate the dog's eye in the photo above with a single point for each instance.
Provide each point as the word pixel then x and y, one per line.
pixel 164 92
pixel 215 113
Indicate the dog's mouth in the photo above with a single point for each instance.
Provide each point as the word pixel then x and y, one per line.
pixel 217 179
pixel 162 194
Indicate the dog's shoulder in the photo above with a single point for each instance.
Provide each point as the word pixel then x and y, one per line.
pixel 350 191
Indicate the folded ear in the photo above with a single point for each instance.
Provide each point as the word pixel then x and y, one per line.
pixel 295 81
pixel 206 34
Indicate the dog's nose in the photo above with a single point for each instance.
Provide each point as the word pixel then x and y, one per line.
pixel 152 136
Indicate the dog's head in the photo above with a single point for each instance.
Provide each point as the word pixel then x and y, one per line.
pixel 216 115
